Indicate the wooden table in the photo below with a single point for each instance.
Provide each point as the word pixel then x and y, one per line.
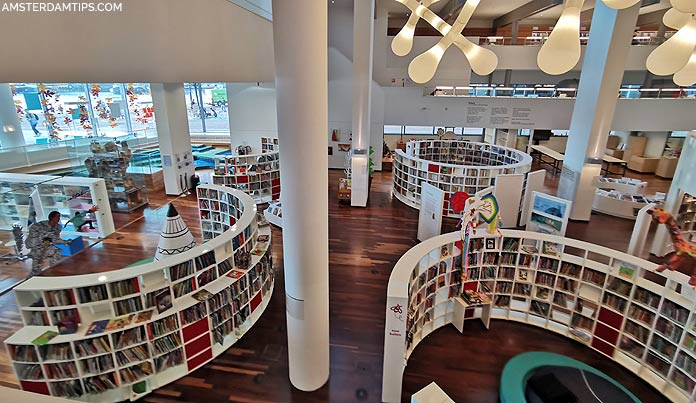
pixel 556 158
pixel 611 161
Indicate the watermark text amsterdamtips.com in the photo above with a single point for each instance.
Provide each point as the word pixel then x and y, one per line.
pixel 60 7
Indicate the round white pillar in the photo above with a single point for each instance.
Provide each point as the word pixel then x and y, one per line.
pixel 300 45
pixel 10 128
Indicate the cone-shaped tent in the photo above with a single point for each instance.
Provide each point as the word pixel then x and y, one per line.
pixel 175 237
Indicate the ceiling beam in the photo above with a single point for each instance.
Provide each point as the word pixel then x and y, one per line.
pixel 524 11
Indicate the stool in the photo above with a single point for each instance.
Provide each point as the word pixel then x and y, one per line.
pixel 76 244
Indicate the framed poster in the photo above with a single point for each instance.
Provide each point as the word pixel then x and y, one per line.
pixel 549 214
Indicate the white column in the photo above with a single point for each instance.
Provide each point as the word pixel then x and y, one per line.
pixel 602 71
pixel 10 128
pixel 363 26
pixel 173 134
pixel 300 47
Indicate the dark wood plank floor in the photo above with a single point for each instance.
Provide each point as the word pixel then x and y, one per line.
pixel 364 245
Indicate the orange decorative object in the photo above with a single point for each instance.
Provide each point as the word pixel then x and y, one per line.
pixel 684 259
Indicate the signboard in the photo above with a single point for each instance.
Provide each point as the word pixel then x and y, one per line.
pixel 430 217
pixel 549 214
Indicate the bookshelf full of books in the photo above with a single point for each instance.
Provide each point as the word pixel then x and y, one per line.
pixel 612 302
pixel 258 175
pixel 686 217
pixel 453 166
pixel 624 205
pixel 115 336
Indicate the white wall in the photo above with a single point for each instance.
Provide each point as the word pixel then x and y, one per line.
pixel 408 106
pixel 656 143
pixel 149 41
pixel 252 112
pixel 341 28
pixel 341 110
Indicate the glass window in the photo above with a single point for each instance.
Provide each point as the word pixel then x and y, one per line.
pixel 678 134
pixel 109 109
pixel 207 107
pixel 472 131
pixel 420 130
pixel 391 129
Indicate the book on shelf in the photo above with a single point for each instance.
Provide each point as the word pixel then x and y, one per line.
pixel 67 326
pixel 163 300
pixel 202 295
pixel 44 338
pixel 97 327
pixel 96 345
pixel 143 316
pixel 119 322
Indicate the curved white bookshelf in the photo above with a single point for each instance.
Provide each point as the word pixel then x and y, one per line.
pixel 608 300
pixel 258 175
pixel 274 214
pixel 453 166
pixel 166 330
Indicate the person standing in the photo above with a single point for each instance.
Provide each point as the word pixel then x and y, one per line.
pixel 33 121
pixel 42 238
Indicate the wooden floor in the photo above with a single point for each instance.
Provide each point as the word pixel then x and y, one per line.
pixel 364 245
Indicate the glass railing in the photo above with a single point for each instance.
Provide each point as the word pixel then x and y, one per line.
pixel 551 91
pixel 71 152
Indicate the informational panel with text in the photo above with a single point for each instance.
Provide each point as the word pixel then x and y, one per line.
pixel 430 218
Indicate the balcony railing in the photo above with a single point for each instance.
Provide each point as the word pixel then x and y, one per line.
pixel 550 91
pixel 644 40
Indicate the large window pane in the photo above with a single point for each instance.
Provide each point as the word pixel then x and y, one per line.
pixel 109 109
pixel 392 129
pixel 140 109
pixel 420 130
pixel 207 107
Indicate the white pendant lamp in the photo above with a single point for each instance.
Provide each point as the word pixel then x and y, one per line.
pixel 675 52
pixel 423 67
pixel 561 51
pixel 675 19
pixel 403 42
pixel 620 4
pixel 685 6
pixel 686 76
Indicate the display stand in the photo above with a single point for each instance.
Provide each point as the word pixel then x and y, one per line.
pixel 622 205
pixel 609 301
pixel 453 166
pixel 126 191
pixel 627 186
pixel 128 332
pixel 66 195
pixel 274 213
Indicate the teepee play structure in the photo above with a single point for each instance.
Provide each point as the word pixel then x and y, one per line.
pixel 175 237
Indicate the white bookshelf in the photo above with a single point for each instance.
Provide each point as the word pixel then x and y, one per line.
pixel 453 166
pixel 610 301
pixel 258 175
pixel 66 195
pixel 274 213
pixel 629 186
pixel 147 352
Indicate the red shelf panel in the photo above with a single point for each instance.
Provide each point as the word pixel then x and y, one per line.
pixel 610 318
pixel 36 387
pixel 195 329
pixel 606 333
pixel 199 360
pixel 256 301
pixel 602 346
pixel 197 346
